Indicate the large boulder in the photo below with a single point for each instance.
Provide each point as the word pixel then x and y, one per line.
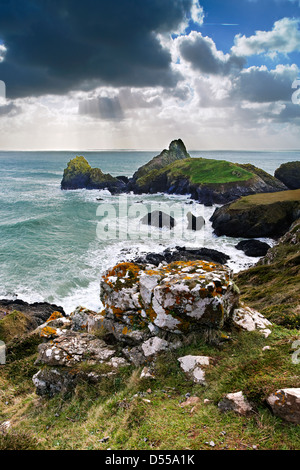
pixel 285 403
pixel 178 298
pixel 257 216
pixel 79 175
pixel 253 248
pixel 289 174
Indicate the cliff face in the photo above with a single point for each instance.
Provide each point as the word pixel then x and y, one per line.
pixel 259 215
pixel 289 174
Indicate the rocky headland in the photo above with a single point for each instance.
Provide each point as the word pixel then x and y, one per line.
pixel 259 215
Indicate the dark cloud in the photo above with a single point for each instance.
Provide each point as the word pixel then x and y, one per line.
pixel 203 56
pixel 54 46
pixel 264 86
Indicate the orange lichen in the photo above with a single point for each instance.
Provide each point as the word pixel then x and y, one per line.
pixel 48 332
pixel 55 316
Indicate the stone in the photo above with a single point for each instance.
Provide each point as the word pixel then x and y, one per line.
pixel 72 348
pixel 191 401
pixel 253 248
pixel 50 382
pixel 147 374
pixel 154 346
pixel 81 318
pixel 250 320
pixel 190 365
pixel 178 298
pixel 285 403
pixel 235 402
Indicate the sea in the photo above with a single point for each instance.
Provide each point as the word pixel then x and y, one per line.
pixel 55 245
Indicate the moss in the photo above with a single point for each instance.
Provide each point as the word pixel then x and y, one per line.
pixel 15 324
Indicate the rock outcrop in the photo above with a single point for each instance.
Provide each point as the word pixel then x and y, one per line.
pixel 148 310
pixel 176 151
pixel 79 174
pixel 183 254
pixel 289 174
pixel 257 216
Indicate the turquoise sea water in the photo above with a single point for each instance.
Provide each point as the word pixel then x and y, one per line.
pixel 50 250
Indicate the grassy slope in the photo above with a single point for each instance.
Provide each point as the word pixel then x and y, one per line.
pixel 274 288
pixel 111 408
pixel 201 171
pixel 266 199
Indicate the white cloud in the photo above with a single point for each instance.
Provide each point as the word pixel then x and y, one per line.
pixel 284 38
pixel 2 52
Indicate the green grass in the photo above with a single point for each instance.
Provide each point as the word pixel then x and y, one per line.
pixel 201 171
pixel 118 407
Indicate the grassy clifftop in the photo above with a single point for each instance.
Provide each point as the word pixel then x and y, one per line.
pixel 199 171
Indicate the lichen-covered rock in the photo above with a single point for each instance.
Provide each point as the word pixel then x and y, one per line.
pixel 50 382
pixel 178 298
pixel 193 367
pixel 250 320
pixel 72 348
pixel 285 403
pixel 236 402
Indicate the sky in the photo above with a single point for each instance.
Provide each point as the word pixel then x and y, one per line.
pixel 137 74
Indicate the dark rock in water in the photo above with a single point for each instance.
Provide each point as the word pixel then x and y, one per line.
pixel 39 312
pixel 254 248
pixel 159 219
pixel 80 175
pixel 289 174
pixel 258 216
pixel 195 223
pixel 125 179
pixel 184 254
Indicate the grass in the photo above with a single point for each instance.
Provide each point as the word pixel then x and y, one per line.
pixel 273 288
pixel 201 171
pixel 139 414
pixel 266 199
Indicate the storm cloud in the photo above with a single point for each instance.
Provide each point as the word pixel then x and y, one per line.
pixel 54 46
pixel 202 54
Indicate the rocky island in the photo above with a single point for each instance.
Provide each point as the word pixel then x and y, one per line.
pixel 208 181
